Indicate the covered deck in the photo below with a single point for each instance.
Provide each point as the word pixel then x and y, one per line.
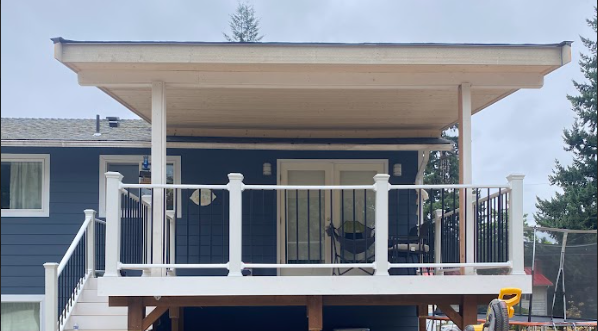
pixel 313 97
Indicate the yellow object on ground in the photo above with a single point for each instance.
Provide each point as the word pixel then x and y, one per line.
pixel 499 311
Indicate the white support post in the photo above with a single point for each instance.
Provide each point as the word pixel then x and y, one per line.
pixel 438 238
pixel 516 237
pixel 235 228
pixel 112 256
pixel 467 226
pixel 381 186
pixel 51 297
pixel 158 169
pixel 90 262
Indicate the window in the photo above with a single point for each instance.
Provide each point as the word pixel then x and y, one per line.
pixel 129 166
pixel 25 185
pixel 21 312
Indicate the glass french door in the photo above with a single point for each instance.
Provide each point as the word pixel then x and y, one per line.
pixel 304 215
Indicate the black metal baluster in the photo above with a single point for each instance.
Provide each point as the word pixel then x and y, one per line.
pixel 222 242
pixel 308 227
pixel 490 256
pixel 286 227
pixel 500 225
pixel 365 222
pixel 250 225
pixel 320 222
pixel 342 222
pixel 297 225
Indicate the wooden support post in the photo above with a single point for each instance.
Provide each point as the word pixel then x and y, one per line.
pixel 468 310
pixel 314 313
pixel 454 316
pixel 175 318
pixel 136 313
pixel 422 314
pixel 153 317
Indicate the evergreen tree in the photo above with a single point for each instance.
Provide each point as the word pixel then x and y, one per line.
pixel 575 208
pixel 244 25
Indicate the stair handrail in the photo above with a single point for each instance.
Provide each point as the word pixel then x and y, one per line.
pixel 53 270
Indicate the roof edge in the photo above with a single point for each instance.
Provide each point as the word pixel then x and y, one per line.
pixel 61 40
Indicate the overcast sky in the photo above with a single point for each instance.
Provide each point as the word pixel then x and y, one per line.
pixel 522 133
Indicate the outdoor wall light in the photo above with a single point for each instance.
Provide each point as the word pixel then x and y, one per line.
pixel 397 170
pixel 267 169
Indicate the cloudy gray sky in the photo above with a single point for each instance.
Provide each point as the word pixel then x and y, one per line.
pixel 519 134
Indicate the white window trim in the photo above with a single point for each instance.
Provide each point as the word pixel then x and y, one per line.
pixel 28 298
pixel 127 159
pixel 45 210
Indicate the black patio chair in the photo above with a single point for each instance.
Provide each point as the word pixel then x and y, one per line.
pixel 354 238
pixel 412 247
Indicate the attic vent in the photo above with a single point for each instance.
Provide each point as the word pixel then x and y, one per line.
pixel 112 121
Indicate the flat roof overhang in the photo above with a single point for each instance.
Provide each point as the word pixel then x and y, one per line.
pixel 294 90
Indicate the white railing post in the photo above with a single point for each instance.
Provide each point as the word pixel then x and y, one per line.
pixel 381 186
pixel 146 200
pixel 113 181
pixel 516 223
pixel 171 219
pixel 438 238
pixel 51 297
pixel 470 229
pixel 90 261
pixel 235 240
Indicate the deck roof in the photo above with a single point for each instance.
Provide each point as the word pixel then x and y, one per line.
pixel 309 90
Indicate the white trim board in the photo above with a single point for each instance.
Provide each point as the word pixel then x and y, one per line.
pixel 129 159
pixel 310 285
pixel 242 146
pixel 45 203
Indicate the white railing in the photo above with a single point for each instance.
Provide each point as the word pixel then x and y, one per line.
pixel 64 281
pixel 235 264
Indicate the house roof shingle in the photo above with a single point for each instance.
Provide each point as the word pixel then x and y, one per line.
pixel 74 129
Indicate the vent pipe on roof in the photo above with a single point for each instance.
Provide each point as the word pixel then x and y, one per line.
pixel 97 133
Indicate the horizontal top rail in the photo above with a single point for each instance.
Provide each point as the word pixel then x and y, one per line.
pixel 100 221
pixel 175 186
pixel 308 187
pixel 130 195
pixel 74 243
pixel 493 195
pixel 447 186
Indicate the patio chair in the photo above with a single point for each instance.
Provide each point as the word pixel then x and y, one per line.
pixel 412 247
pixel 353 238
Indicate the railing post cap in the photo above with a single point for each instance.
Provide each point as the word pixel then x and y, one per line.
pixel 381 177
pixel 512 177
pixel 112 174
pixel 51 265
pixel 235 176
pixel 89 212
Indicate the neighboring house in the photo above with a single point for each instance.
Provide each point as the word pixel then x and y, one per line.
pixel 539 291
pixel 273 169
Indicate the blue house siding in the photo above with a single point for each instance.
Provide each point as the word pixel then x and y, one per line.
pixel 27 243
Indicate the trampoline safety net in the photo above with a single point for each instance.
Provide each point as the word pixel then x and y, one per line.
pixel 563 264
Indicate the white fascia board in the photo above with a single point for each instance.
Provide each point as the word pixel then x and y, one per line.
pixel 310 285
pixel 151 53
